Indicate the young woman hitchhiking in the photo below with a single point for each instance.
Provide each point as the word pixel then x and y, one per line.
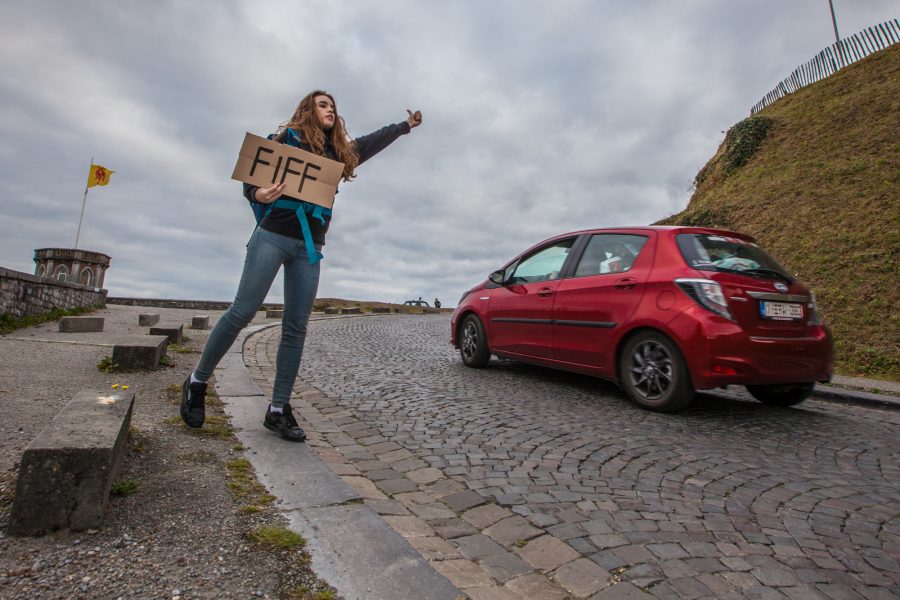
pixel 292 237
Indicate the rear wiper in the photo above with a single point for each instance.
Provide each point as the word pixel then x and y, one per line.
pixel 769 272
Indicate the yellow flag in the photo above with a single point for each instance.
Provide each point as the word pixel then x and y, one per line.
pixel 98 175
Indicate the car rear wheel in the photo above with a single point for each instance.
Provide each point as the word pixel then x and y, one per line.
pixel 473 343
pixel 654 374
pixel 781 395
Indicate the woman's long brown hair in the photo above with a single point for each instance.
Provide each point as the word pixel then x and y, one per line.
pixel 306 122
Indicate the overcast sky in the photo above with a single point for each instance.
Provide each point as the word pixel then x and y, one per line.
pixel 539 118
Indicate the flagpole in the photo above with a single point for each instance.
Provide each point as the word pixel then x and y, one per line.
pixel 83 202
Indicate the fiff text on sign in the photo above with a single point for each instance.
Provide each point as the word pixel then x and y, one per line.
pixel 306 176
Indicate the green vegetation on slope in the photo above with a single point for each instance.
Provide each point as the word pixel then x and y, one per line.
pixel 815 178
pixel 9 323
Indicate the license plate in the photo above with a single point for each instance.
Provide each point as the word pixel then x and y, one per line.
pixel 783 311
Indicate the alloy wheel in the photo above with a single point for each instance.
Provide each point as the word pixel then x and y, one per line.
pixel 651 369
pixel 469 344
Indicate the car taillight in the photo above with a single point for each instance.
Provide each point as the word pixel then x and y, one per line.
pixel 812 311
pixel 706 293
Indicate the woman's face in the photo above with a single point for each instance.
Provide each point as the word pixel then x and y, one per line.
pixel 325 111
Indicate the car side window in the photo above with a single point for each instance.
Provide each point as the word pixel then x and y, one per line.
pixel 610 253
pixel 544 264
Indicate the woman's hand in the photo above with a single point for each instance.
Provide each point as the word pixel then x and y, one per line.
pixel 270 194
pixel 414 119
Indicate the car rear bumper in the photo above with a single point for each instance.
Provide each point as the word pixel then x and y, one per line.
pixel 720 353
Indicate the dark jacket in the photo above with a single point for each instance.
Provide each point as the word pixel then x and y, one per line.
pixel 284 221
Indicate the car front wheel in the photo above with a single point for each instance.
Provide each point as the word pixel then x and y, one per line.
pixel 473 343
pixel 654 374
pixel 781 395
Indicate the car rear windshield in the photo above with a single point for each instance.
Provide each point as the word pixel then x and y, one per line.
pixel 711 252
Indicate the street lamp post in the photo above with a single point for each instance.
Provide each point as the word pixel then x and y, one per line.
pixel 837 38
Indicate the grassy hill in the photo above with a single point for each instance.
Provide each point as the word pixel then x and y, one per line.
pixel 815 177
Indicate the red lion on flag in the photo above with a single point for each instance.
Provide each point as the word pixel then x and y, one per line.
pixel 98 175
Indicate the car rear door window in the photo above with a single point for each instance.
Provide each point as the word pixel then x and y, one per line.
pixel 609 253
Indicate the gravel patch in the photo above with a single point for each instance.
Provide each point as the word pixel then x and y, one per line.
pixel 183 532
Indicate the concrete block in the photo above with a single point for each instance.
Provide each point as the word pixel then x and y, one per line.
pixel 200 322
pixel 380 309
pixel 80 324
pixel 140 352
pixel 332 311
pixel 173 332
pixel 148 319
pixel 66 471
pixel 351 311
pixel 274 313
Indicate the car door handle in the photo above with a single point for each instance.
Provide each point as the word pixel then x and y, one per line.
pixel 545 292
pixel 626 283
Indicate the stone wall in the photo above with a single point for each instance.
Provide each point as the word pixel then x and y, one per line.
pixel 22 294
pixel 191 304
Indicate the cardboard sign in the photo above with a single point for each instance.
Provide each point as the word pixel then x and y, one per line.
pixel 306 176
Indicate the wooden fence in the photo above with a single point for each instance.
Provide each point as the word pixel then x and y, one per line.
pixel 837 56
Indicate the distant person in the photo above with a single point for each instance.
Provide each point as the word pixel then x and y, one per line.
pixel 437 303
pixel 282 240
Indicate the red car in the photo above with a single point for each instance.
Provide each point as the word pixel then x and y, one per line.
pixel 663 311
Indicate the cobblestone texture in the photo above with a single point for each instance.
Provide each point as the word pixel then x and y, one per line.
pixel 730 499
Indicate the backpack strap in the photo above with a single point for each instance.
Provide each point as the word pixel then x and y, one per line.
pixel 301 208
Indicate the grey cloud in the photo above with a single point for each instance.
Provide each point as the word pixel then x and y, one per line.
pixel 539 118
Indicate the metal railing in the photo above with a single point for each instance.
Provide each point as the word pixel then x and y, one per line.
pixel 833 58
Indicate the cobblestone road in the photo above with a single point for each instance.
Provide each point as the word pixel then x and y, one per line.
pixel 518 481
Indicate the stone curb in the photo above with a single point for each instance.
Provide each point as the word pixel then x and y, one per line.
pixel 858 398
pixel 352 547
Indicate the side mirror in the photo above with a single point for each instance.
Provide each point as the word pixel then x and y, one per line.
pixel 497 276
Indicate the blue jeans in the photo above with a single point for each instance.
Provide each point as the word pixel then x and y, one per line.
pixel 266 253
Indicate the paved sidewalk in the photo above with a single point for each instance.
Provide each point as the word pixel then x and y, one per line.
pixel 873 385
pixel 861 391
